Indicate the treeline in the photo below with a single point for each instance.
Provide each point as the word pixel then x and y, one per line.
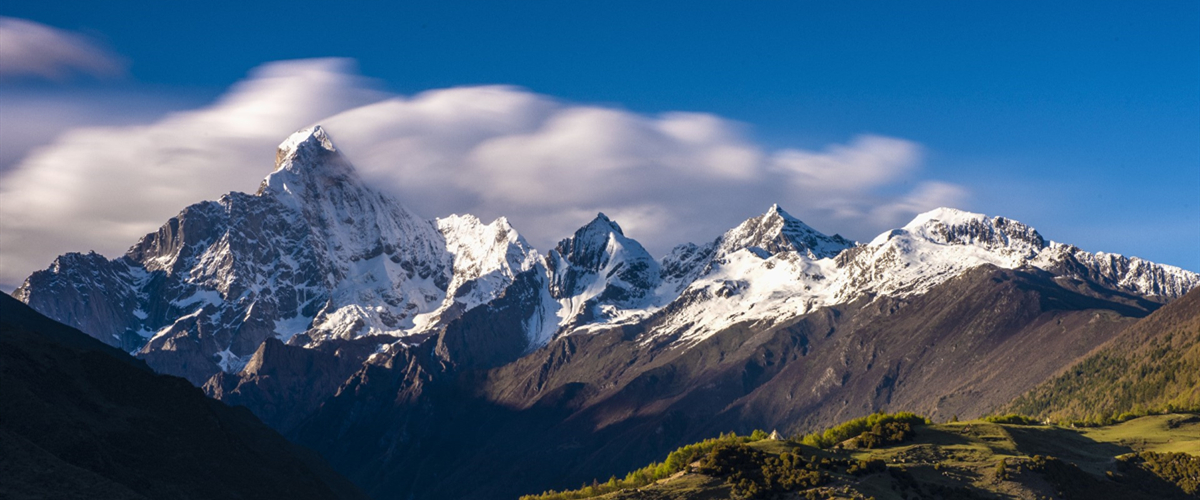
pixel 676 461
pixel 1097 420
pixel 870 431
pixel 1011 418
pixel 1100 420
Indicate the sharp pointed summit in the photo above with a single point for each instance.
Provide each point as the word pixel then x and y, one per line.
pixel 603 223
pixel 599 266
pixel 304 141
pixel 306 148
pixel 307 161
pixel 777 231
pixel 587 247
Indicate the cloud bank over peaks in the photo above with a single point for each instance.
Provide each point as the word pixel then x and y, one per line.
pixel 491 151
pixel 550 166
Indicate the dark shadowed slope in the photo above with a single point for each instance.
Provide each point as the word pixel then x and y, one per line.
pixel 81 419
pixel 1153 365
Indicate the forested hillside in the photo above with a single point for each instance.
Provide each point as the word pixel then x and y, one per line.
pixel 1152 366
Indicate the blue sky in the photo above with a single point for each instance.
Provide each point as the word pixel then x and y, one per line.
pixel 1081 119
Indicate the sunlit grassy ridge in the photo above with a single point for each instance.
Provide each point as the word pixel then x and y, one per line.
pixel 675 462
pixel 1158 458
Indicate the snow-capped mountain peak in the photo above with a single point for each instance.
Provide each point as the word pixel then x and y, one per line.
pixel 942 243
pixel 750 281
pixel 598 271
pixel 777 231
pixel 306 163
pixel 603 221
pixel 303 142
pixel 486 259
pixel 586 248
pixel 315 252
pixel 947 215
pixel 950 226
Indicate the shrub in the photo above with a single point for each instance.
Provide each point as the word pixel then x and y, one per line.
pixel 885 433
pixel 865 467
pixel 751 473
pixel 1011 419
pixel 859 426
pixel 1180 469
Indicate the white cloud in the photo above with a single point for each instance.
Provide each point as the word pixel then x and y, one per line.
pixel 33 50
pixel 547 165
pixel 868 161
pixel 36 117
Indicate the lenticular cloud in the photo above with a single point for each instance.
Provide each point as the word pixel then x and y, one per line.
pixel 547 165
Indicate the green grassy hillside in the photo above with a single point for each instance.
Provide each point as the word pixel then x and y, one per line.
pixel 1152 366
pixel 1153 457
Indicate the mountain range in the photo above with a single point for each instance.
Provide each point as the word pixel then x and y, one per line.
pixel 448 358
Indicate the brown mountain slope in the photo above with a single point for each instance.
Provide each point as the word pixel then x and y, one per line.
pixel 81 419
pixel 965 348
pixel 599 404
pixel 1155 364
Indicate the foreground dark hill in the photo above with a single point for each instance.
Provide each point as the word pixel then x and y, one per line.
pixel 1153 365
pixel 600 404
pixel 81 419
